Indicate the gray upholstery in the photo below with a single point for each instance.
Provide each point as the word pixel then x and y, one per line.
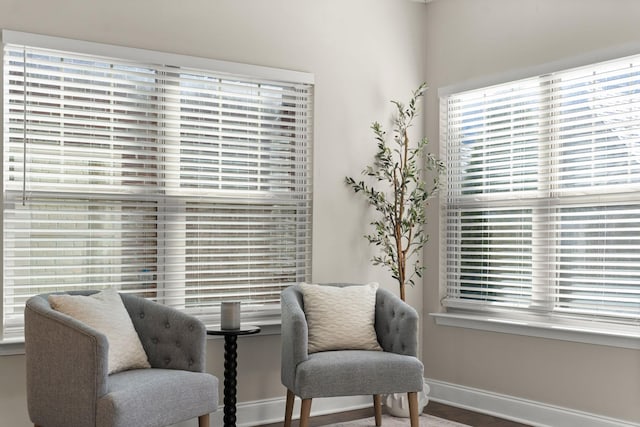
pixel 349 373
pixel 67 381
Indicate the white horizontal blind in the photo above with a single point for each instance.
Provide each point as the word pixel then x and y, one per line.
pixel 187 186
pixel 542 206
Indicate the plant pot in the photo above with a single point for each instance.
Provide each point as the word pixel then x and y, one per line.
pixel 398 403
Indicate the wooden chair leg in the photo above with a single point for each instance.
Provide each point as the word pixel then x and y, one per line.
pixel 305 411
pixel 377 407
pixel 288 411
pixel 203 420
pixel 413 409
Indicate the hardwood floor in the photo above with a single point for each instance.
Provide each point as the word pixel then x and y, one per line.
pixel 463 416
pixel 468 417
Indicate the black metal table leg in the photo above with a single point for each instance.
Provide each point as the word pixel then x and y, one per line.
pixel 230 382
pixel 231 368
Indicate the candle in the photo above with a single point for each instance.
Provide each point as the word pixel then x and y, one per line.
pixel 230 315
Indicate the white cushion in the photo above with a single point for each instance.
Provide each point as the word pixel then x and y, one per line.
pixel 340 318
pixel 105 312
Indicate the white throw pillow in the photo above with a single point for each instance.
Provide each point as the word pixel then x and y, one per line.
pixel 105 312
pixel 340 318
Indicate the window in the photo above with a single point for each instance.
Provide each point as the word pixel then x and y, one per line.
pixel 186 184
pixel 541 213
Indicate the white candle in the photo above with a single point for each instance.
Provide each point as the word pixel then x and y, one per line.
pixel 230 315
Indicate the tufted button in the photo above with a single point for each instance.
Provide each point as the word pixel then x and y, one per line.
pixel 167 361
pixel 191 327
pixel 190 362
pixel 142 315
pixel 154 340
pixel 178 344
pixel 167 325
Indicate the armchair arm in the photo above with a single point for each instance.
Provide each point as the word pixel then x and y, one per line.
pixel 66 361
pixel 295 334
pixel 172 339
pixel 396 324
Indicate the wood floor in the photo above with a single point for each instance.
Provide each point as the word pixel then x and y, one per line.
pixel 433 408
pixel 468 417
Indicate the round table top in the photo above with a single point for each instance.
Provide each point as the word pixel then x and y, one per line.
pixel 243 330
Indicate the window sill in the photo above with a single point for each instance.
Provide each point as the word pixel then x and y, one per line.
pixel 539 328
pixel 17 348
pixel 11 349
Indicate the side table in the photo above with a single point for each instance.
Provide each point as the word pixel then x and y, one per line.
pixel 231 367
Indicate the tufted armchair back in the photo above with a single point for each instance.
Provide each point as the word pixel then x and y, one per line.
pixel 171 338
pixel 396 324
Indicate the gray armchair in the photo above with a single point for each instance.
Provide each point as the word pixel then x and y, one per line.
pixel 351 372
pixel 67 380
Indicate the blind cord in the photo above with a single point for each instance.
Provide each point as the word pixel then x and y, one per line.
pixel 24 127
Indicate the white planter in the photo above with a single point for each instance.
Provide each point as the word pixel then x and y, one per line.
pixel 398 403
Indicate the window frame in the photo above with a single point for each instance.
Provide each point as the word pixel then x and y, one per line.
pixel 497 319
pixel 143 57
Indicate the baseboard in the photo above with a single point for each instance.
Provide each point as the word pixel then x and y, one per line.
pixel 508 407
pixel 515 409
pixel 272 410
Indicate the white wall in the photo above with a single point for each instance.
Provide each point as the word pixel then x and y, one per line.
pixel 470 39
pixel 362 52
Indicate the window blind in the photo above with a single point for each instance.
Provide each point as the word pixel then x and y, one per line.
pixel 542 203
pixel 187 186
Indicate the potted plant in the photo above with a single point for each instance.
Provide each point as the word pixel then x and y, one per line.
pixel 403 178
